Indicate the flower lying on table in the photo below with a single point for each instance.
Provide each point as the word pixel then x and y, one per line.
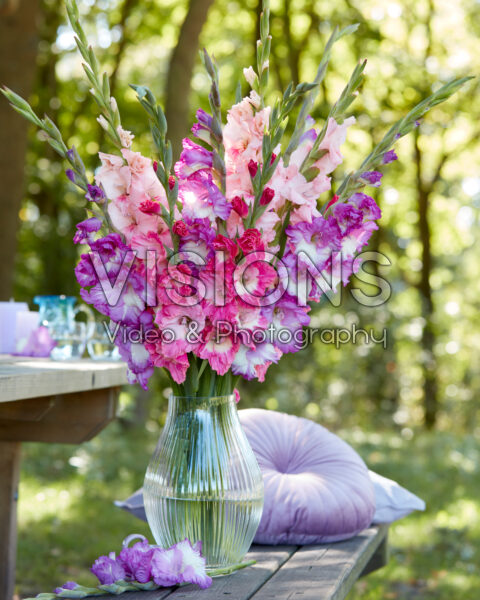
pixel 143 567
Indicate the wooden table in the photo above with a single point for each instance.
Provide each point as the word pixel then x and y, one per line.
pixel 326 571
pixel 46 401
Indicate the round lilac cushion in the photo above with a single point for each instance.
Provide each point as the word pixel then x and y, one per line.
pixel 317 488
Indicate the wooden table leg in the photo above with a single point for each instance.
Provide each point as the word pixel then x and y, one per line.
pixel 9 475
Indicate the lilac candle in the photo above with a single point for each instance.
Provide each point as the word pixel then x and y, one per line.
pixel 8 312
pixel 26 322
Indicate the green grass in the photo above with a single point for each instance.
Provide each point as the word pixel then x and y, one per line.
pixel 66 516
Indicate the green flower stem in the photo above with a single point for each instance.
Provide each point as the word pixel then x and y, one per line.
pixel 52 136
pixel 158 127
pixel 353 182
pixel 337 112
pixel 110 119
pixel 263 51
pixel 271 139
pixel 232 569
pixel 311 96
pixel 217 127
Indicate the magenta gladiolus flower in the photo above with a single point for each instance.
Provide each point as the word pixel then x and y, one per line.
pixel 267 196
pixel 240 206
pixel 252 168
pixel 180 228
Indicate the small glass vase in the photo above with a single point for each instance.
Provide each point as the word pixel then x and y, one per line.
pixel 203 481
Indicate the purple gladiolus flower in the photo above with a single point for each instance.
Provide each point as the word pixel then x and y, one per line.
pixel 85 229
pixel 201 198
pixel 70 585
pixel 248 358
pixel 389 157
pixel 182 563
pixel 288 318
pixel 193 158
pixel 314 242
pixel 95 194
pixel 70 174
pixel 107 569
pixel 203 128
pixel 137 561
pixel 140 367
pixel 199 238
pixel 372 177
pixel 367 205
pixel 348 217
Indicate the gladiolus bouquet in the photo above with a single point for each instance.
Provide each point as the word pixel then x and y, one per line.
pixel 207 266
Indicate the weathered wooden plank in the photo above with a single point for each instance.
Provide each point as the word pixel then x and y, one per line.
pixel 9 475
pixel 70 418
pixel 379 558
pixel 155 595
pixel 323 572
pixel 241 585
pixel 22 378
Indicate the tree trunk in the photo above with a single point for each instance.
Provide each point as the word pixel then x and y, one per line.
pixel 18 49
pixel 180 70
pixel 429 366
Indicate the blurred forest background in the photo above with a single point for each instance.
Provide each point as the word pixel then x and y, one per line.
pixel 411 410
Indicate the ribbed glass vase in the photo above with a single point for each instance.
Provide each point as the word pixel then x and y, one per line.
pixel 203 481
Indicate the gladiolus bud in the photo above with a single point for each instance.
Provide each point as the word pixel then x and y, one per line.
pixel 171 182
pixel 267 196
pixel 252 168
pixel 180 229
pixel 240 206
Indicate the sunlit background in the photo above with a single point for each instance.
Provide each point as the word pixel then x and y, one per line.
pixel 411 410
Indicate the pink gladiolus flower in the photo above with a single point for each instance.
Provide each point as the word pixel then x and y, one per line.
pixel 114 175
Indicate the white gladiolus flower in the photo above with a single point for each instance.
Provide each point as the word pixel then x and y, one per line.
pixel 103 122
pixel 250 76
pixel 126 137
pixel 255 99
